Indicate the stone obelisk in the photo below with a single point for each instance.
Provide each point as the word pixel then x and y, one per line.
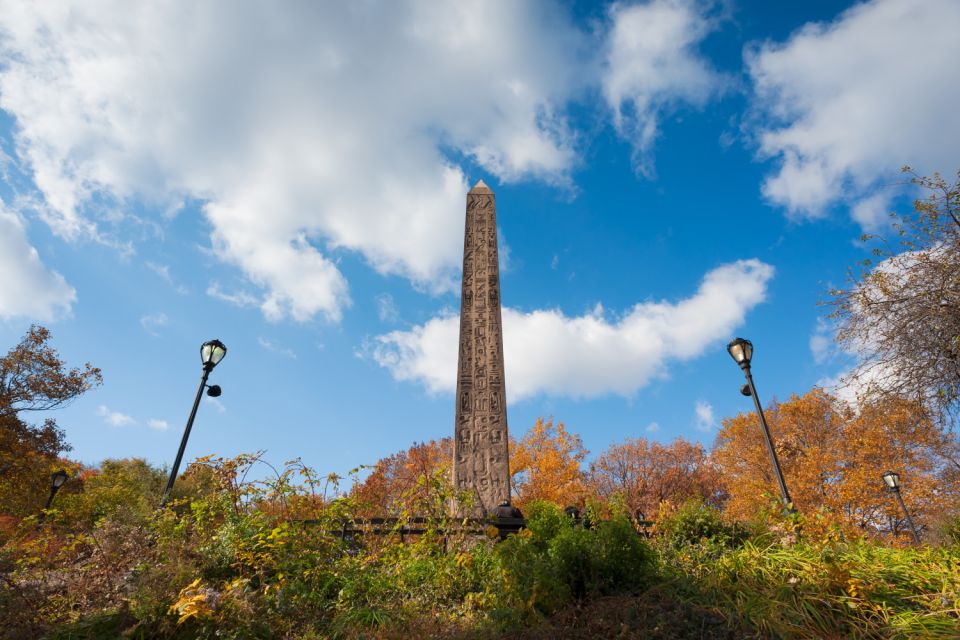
pixel 480 463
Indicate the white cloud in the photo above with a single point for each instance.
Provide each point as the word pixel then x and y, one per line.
pixel 821 342
pixel 872 212
pixel 153 322
pixel 653 427
pixel 239 299
pixel 275 348
pixel 159 425
pixel 163 271
pixel 855 390
pixel 653 65
pixel 215 403
pixel 304 128
pixel 504 261
pixel 386 308
pixel 115 418
pixel 597 356
pixel 844 104
pixel 704 418
pixel 27 287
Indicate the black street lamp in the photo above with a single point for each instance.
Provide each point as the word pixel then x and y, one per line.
pixel 892 478
pixel 57 478
pixel 741 351
pixel 211 353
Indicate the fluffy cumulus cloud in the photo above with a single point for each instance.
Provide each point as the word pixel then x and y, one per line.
pixel 304 128
pixel 27 287
pixel 115 418
pixel 844 104
pixel 703 415
pixel 821 341
pixel 600 356
pixel 652 65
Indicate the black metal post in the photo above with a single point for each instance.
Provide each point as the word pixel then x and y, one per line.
pixel 186 435
pixel 916 536
pixel 787 502
pixel 53 492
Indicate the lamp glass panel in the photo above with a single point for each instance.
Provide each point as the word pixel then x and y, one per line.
pixel 205 352
pixel 892 479
pixel 216 353
pixel 59 478
pixel 736 350
pixel 741 350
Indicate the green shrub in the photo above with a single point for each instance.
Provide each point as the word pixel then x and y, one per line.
pixel 124 491
pixel 556 560
pixel 697 523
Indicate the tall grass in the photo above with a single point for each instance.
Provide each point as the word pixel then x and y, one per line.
pixel 852 590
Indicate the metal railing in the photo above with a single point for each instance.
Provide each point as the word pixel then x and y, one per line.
pixel 415 526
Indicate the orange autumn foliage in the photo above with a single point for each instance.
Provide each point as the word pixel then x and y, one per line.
pixel 643 474
pixel 545 464
pixel 33 378
pixel 400 483
pixel 832 458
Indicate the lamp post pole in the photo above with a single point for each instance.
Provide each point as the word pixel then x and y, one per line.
pixel 784 493
pixel 742 352
pixel 186 436
pixel 211 353
pixel 893 482
pixel 913 529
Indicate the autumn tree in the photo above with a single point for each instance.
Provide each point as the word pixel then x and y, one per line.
pixel 832 458
pixel 406 482
pixel 901 313
pixel 546 464
pixel 124 490
pixel 34 378
pixel 644 474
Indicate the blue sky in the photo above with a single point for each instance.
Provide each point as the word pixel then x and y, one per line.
pixel 292 179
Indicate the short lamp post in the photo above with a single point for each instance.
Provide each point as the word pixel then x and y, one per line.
pixel 892 478
pixel 211 353
pixel 57 479
pixel 741 351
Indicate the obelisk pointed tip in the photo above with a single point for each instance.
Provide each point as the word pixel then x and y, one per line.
pixel 480 187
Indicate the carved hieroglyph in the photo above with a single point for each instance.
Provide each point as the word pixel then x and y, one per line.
pixel 480 433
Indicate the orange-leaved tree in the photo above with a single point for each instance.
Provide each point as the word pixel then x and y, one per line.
pixel 546 464
pixel 833 456
pixel 407 483
pixel 644 474
pixel 34 378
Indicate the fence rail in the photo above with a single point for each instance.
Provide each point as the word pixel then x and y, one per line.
pixel 443 526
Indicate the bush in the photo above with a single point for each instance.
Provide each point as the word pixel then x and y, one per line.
pixel 124 491
pixel 697 523
pixel 556 560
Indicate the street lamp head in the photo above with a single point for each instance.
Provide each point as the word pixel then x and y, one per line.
pixel 211 353
pixel 57 478
pixel 892 478
pixel 741 351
